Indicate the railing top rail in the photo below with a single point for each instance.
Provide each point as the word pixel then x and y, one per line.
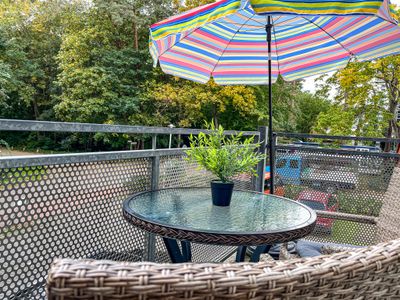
pixel 46 126
pixel 337 151
pixel 60 159
pixel 335 137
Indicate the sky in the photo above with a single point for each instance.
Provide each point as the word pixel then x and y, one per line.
pixel 309 84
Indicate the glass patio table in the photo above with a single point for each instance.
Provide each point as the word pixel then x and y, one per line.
pixel 188 215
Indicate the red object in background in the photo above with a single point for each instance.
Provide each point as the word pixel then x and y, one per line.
pixel 279 190
pixel 320 201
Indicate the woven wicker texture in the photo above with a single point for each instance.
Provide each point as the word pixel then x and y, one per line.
pixel 363 274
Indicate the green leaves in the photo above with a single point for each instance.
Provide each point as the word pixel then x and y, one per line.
pixel 224 156
pixel 366 102
pixel 188 103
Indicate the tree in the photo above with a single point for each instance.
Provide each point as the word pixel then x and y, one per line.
pixel 368 95
pixel 188 104
pixel 132 18
pixel 105 62
pixel 309 108
pixel 285 104
pixel 102 63
pixel 387 72
pixel 31 38
pixel 335 121
pixel 190 4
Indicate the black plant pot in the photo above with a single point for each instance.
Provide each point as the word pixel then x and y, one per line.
pixel 221 192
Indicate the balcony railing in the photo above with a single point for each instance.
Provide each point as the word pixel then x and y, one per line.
pixel 69 205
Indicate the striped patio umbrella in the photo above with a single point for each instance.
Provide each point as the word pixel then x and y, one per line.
pixel 253 41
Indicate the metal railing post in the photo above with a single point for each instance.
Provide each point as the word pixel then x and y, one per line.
pixel 259 182
pixel 154 141
pixel 272 164
pixel 155 176
pixel 155 166
pixel 254 178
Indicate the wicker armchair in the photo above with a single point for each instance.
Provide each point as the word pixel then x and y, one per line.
pixel 366 273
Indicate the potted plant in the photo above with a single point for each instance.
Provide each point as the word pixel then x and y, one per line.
pixel 224 156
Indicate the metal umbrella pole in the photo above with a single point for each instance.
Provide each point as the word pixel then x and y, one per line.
pixel 268 29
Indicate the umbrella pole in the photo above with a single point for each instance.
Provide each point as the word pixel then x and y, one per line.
pixel 268 29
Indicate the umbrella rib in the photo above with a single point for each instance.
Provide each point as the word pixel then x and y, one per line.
pixel 252 30
pixel 227 45
pixel 238 24
pixel 286 21
pixel 331 36
pixel 170 47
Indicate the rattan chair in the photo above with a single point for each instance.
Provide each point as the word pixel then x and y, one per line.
pixel 366 273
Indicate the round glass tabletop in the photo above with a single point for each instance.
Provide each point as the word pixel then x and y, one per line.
pixel 190 210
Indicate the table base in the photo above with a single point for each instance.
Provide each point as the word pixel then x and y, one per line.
pixel 184 253
pixel 175 253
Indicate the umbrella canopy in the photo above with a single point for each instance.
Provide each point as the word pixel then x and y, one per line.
pixel 253 41
pixel 227 39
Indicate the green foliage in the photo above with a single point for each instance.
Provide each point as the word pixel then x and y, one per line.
pixel 190 4
pixel 347 232
pixel 353 204
pixel 18 175
pixel 188 104
pixel 335 121
pixel 293 109
pixel 366 102
pixel 30 38
pixel 310 107
pixel 224 157
pixel 88 61
pixel 367 98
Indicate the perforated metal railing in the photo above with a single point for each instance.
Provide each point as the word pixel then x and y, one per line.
pixel 339 181
pixel 70 206
pixel 74 210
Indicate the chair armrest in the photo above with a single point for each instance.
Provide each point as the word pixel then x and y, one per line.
pixel 347 217
pixel 324 277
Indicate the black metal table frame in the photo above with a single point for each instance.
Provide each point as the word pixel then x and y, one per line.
pixel 184 252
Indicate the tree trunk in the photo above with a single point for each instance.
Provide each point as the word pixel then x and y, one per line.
pixel 135 36
pixel 394 95
pixel 388 146
pixel 35 109
pixel 215 116
pixel 394 106
pixel 136 39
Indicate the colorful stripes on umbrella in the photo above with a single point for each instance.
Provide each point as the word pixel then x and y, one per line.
pixel 324 7
pixel 232 47
pixel 194 18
